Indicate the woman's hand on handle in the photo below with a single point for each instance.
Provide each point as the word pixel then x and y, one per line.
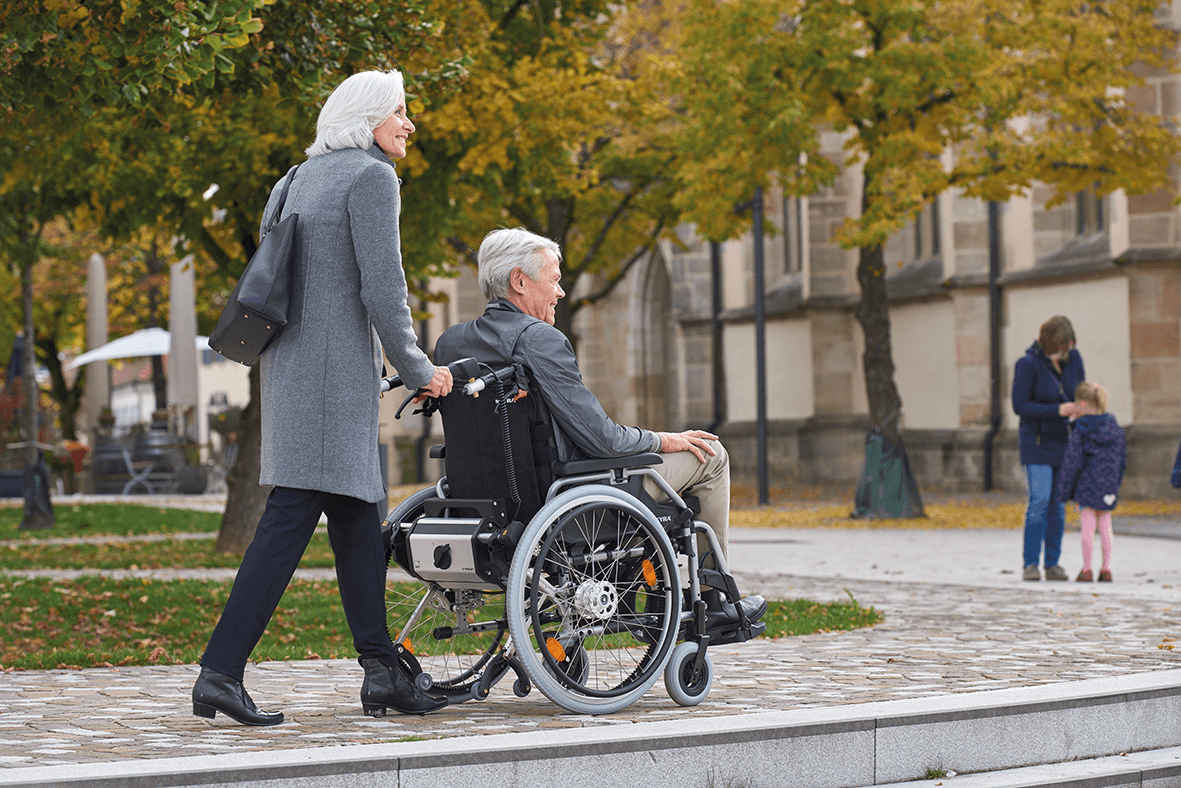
pixel 696 441
pixel 440 385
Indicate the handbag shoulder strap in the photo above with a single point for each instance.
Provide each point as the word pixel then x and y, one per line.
pixel 282 199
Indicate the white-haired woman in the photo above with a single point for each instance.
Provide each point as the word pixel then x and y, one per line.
pixel 319 399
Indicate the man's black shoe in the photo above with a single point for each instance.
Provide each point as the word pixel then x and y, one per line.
pixel 385 687
pixel 723 613
pixel 753 607
pixel 216 692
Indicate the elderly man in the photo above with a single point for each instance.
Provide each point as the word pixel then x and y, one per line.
pixel 519 274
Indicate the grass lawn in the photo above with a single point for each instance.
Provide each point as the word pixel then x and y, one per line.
pixel 116 519
pixel 166 554
pixel 102 622
pixel 95 621
pixel 28 549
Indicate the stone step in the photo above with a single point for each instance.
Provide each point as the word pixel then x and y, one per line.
pixel 1150 769
pixel 1055 726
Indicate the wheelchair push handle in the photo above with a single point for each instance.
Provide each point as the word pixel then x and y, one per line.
pixel 477 384
pixel 463 369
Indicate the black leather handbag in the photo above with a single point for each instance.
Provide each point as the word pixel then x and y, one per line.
pixel 257 309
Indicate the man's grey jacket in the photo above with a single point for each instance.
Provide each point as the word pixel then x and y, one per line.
pixel 505 335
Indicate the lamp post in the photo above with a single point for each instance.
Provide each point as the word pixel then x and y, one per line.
pixel 760 350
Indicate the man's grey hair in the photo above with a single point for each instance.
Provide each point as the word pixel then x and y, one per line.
pixel 358 105
pixel 505 249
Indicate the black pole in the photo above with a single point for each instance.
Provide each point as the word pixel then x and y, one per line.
pixel 719 371
pixel 994 339
pixel 760 350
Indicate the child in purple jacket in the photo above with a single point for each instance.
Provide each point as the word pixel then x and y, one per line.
pixel 1092 470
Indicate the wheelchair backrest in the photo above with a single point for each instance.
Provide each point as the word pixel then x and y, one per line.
pixel 482 434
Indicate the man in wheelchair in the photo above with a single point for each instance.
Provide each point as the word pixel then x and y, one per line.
pixel 519 274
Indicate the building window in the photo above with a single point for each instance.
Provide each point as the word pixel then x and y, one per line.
pixel 934 210
pixel 1090 215
pixel 926 231
pixel 791 222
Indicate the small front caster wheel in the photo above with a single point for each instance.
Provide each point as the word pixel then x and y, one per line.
pixel 683 687
pixel 424 682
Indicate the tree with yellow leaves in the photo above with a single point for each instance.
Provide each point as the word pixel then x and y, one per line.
pixel 1019 91
pixel 554 130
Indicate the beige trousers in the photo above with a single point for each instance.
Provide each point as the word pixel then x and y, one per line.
pixel 709 481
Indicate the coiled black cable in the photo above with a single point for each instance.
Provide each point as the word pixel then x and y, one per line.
pixel 510 466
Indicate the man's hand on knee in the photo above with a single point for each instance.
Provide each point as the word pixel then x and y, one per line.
pixel 696 441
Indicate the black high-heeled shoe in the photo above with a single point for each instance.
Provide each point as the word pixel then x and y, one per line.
pixel 385 687
pixel 216 692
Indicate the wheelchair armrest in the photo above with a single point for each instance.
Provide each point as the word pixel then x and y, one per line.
pixel 598 465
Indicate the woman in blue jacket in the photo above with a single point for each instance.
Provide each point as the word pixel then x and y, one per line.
pixel 1043 394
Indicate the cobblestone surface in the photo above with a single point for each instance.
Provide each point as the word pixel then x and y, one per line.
pixel 936 639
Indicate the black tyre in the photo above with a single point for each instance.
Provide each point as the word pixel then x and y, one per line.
pixel 592 599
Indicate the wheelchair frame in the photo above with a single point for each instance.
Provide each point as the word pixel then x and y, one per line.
pixel 588 601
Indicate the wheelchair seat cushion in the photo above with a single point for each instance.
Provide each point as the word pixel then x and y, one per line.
pixel 600 464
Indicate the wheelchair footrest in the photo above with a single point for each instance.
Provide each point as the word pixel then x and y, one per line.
pixel 735 633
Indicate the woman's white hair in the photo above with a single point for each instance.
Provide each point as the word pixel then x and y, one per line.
pixel 503 250
pixel 358 105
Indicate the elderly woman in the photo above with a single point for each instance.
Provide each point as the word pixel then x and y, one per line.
pixel 319 399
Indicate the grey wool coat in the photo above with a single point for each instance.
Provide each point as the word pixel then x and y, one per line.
pixel 320 377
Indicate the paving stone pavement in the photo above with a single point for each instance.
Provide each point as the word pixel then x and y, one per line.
pixel 957 620
pixel 936 639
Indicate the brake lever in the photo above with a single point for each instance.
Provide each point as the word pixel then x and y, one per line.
pixel 409 398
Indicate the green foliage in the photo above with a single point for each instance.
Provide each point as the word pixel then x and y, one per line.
pixel 121 116
pixel 107 53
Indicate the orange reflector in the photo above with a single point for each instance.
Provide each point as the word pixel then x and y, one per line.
pixel 555 649
pixel 408 645
pixel 649 573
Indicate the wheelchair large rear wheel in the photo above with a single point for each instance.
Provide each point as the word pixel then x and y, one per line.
pixel 446 638
pixel 593 599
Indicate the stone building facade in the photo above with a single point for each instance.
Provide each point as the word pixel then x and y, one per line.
pixel 673 347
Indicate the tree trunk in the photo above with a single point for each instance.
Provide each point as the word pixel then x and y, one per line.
pixel 29 366
pixel 70 399
pixel 559 213
pixel 563 317
pixel 155 269
pixel 247 498
pixel 887 487
pixel 38 509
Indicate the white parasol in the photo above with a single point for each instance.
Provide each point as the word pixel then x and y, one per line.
pixel 145 342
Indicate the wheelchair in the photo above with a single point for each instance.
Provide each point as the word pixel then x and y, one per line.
pixel 568 575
